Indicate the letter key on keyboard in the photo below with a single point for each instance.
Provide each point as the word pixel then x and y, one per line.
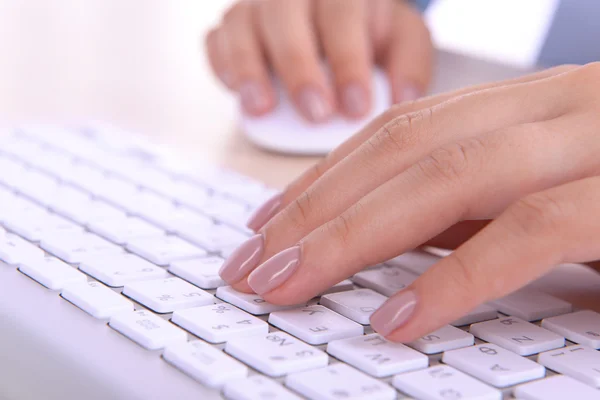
pixel 167 295
pixel 252 303
pixel 579 362
pixel 117 270
pixel 483 312
pixel 219 322
pixel 147 329
pixel 531 305
pixel 517 335
pixel 339 381
pixel 558 387
pixel 121 231
pixel 276 354
pixel 416 262
pixel 96 299
pixel 443 382
pixel 358 305
pixel 14 250
pixel 315 324
pixel 494 365
pixel 164 250
pixel 581 327
pixel 444 339
pixel 385 280
pixel 202 272
pixel 377 356
pixel 51 272
pixel 76 248
pixel 257 388
pixel 205 363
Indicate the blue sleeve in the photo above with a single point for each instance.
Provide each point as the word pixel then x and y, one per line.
pixel 422 4
pixel 573 36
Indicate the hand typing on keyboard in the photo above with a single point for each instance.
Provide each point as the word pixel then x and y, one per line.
pixel 506 173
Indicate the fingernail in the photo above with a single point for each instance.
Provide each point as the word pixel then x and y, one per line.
pixel 275 271
pixel 242 260
pixel 313 104
pixel 264 213
pixel 227 78
pixel 394 313
pixel 254 97
pixel 355 100
pixel 407 92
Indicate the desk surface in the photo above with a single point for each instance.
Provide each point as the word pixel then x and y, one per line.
pixel 139 64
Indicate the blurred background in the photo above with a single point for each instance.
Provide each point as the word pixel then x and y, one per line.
pixel 140 63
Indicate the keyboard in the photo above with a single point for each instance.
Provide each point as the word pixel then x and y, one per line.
pixel 113 231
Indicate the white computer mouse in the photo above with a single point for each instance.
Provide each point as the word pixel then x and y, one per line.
pixel 285 131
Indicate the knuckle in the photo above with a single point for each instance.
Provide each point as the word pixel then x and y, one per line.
pixel 539 214
pixel 401 133
pixel 300 211
pixel 453 162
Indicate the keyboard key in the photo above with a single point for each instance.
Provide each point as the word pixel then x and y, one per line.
pixel 219 323
pixel 229 211
pixel 249 302
pixel 96 299
pixel 257 388
pixel 531 305
pixel 443 339
pixel 494 365
pixel 117 270
pixel 358 305
pixel 579 362
pixel 38 226
pixel 315 324
pixel 38 187
pixel 581 327
pixel 516 335
pixel 344 285
pixel 164 250
pixel 443 382
pixel 213 238
pixel 190 195
pixel 18 207
pixel 79 207
pixel 75 248
pixel 483 312
pixel 385 280
pixel 121 231
pixel 276 354
pixel 51 272
pixel 377 356
pixel 205 363
pixel 558 387
pixel 339 381
pixel 14 250
pixel 167 295
pixel 202 272
pixel 416 262
pixel 147 329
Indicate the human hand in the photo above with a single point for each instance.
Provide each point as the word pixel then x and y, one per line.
pixel 507 172
pixel 290 37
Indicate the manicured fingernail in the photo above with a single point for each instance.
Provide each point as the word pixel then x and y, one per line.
pixel 254 97
pixel 264 213
pixel 394 313
pixel 355 100
pixel 313 104
pixel 275 270
pixel 407 92
pixel 242 260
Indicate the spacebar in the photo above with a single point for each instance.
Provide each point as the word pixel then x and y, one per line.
pixel 70 355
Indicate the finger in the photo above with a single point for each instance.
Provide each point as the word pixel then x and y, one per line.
pixel 216 57
pixel 380 15
pixel 246 61
pixel 410 55
pixel 287 30
pixel 400 144
pixel 542 230
pixel 296 188
pixel 456 235
pixel 470 179
pixel 343 29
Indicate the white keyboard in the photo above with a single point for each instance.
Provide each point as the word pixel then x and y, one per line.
pixel 103 221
